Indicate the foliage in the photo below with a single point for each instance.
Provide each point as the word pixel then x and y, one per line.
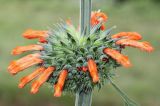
pixel 67 49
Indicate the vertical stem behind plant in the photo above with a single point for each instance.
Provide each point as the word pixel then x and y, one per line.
pixel 83 98
pixel 85 15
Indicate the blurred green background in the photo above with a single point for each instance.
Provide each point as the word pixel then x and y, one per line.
pixel 141 82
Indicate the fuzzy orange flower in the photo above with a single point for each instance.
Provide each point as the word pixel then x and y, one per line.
pixel 123 60
pixel 146 46
pixel 60 83
pixel 128 35
pixel 36 34
pixel 23 63
pixel 42 79
pixel 92 67
pixel 22 49
pixel 97 17
pixel 30 77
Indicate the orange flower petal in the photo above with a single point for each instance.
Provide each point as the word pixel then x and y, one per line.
pixel 103 27
pixel 25 65
pixel 22 49
pixel 69 22
pixel 30 77
pixel 60 83
pixel 146 46
pixel 128 35
pixel 34 34
pixel 92 67
pixel 118 57
pixel 25 62
pixel 22 60
pixel 42 79
pixel 43 40
pixel 58 91
pixel 97 17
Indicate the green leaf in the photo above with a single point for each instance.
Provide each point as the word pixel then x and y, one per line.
pixel 107 32
pixel 126 99
pixel 95 28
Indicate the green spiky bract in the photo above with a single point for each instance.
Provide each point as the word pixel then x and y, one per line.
pixel 67 49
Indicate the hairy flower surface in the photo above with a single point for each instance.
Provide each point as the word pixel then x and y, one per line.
pixel 70 62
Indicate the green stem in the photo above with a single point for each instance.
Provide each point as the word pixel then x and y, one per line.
pixel 83 99
pixel 85 15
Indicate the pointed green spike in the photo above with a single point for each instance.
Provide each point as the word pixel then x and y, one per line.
pixel 126 99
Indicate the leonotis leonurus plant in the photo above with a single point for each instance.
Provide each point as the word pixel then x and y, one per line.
pixel 71 62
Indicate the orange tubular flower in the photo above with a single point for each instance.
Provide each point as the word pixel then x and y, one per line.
pixel 42 79
pixel 69 22
pixel 128 35
pixel 118 57
pixel 97 17
pixel 26 58
pixel 59 86
pixel 23 63
pixel 146 46
pixel 34 34
pixel 30 77
pixel 22 49
pixel 92 67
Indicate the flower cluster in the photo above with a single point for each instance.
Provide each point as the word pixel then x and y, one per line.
pixel 74 63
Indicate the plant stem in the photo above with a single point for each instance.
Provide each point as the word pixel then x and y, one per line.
pixel 83 99
pixel 85 15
